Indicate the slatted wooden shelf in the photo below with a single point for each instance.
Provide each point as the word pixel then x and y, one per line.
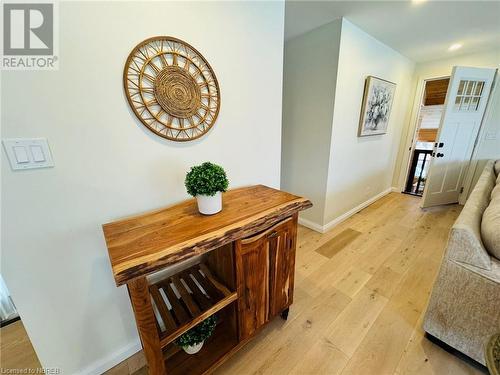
pixel 183 300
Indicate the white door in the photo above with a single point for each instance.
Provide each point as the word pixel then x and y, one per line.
pixel 464 107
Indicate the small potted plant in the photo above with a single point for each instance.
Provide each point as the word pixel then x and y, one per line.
pixel 206 182
pixel 193 340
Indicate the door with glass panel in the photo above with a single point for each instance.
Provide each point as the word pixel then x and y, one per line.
pixel 464 108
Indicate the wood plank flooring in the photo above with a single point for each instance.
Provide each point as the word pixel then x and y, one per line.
pixel 360 294
pixel 360 298
pixel 16 351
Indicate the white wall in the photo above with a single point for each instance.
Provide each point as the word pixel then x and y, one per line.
pixel 310 70
pixel 440 68
pixel 108 165
pixel 435 69
pixel 362 167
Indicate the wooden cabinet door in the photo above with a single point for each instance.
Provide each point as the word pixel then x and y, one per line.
pixel 252 275
pixel 265 275
pixel 281 245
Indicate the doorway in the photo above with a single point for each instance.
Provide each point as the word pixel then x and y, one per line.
pixel 428 119
pixel 466 100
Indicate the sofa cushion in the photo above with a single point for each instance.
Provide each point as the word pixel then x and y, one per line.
pixel 465 243
pixel 497 167
pixel 490 226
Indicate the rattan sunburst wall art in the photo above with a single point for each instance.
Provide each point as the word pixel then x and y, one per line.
pixel 171 88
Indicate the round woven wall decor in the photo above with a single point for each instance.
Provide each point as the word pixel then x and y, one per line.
pixel 171 88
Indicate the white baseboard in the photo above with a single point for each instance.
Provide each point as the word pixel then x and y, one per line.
pixel 325 228
pixel 311 225
pixel 103 365
pixel 395 189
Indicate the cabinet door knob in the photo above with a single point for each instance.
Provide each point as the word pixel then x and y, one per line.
pixel 272 234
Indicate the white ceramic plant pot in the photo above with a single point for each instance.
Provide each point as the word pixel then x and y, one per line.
pixel 209 205
pixel 193 349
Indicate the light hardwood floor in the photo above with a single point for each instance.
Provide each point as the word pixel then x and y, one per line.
pixel 360 294
pixel 16 351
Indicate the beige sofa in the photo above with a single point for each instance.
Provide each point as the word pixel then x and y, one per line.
pixel 464 308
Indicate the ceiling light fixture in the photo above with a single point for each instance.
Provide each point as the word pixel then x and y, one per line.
pixel 417 2
pixel 454 46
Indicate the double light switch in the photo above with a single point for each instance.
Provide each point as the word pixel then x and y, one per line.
pixel 28 153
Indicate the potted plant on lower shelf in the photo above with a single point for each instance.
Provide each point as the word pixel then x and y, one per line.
pixel 206 182
pixel 193 340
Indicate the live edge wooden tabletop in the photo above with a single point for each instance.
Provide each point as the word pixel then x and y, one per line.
pixel 145 243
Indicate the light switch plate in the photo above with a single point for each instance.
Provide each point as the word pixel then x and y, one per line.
pixel 28 153
pixel 21 155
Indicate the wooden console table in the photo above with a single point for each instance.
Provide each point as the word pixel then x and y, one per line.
pixel 242 269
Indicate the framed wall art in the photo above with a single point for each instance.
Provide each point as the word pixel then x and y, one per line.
pixel 376 107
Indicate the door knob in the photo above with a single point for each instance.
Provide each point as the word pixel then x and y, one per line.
pixel 439 155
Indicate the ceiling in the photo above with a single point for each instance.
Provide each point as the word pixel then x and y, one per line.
pixel 420 30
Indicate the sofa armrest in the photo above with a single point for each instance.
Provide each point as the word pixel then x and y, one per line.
pixel 465 246
pixel 492 275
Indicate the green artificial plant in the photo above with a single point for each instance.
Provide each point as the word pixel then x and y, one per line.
pixel 206 179
pixel 198 333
